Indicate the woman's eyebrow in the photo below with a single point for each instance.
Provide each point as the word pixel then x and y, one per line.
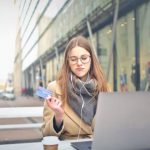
pixel 80 55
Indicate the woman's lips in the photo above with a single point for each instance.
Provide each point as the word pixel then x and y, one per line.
pixel 79 69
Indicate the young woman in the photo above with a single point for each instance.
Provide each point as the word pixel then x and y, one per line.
pixel 70 111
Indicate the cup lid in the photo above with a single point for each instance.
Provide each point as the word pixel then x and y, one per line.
pixel 50 140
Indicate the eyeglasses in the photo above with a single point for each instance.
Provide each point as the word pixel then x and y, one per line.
pixel 84 59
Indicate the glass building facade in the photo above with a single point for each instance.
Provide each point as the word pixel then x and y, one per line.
pixel 46 27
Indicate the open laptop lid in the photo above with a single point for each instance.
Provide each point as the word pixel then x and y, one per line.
pixel 122 121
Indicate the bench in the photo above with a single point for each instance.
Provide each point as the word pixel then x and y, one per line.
pixel 20 112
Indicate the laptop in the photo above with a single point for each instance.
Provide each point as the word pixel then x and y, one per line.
pixel 84 145
pixel 122 122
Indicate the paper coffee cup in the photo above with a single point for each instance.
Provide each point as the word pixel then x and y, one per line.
pixel 50 142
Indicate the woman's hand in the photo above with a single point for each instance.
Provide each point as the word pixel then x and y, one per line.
pixel 55 104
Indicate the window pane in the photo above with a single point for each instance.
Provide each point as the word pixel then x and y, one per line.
pixel 126 51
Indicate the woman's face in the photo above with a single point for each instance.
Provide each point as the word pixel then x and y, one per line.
pixel 79 62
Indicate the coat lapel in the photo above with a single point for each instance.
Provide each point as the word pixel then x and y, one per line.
pixel 76 119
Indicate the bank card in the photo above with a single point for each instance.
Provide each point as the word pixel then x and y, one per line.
pixel 43 93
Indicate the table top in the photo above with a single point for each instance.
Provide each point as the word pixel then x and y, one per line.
pixel 63 145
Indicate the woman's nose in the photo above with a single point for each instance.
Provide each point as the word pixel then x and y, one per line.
pixel 79 62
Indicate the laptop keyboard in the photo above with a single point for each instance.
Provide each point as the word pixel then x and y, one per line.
pixel 84 145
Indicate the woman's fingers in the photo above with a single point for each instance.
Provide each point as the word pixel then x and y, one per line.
pixel 55 105
pixel 53 102
pixel 49 97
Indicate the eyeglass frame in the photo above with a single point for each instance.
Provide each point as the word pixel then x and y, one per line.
pixel 79 58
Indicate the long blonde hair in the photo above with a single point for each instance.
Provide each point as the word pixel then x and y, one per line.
pixel 95 70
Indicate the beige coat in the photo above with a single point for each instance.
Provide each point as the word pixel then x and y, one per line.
pixel 71 122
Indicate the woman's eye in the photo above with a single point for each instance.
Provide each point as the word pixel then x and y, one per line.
pixel 83 58
pixel 73 59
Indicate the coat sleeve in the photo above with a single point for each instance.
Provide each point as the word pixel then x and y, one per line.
pixel 48 116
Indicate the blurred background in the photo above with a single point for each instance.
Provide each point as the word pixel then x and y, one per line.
pixel 34 33
pixel 119 31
